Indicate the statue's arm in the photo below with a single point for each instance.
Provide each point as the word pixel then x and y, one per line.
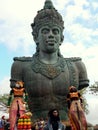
pixel 82 71
pixel 16 72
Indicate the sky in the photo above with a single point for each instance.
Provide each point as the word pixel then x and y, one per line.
pixel 80 37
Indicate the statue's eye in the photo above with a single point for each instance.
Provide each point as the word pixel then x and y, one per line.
pixel 56 31
pixel 45 31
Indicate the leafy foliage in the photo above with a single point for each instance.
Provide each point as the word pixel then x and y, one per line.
pixel 85 104
pixel 4 98
pixel 94 88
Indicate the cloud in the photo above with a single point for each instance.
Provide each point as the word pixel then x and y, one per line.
pixel 88 55
pixel 4 86
pixel 79 33
pixel 75 10
pixel 92 117
pixel 15 22
pixel 20 10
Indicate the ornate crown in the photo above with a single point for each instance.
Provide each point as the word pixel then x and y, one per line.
pixel 47 15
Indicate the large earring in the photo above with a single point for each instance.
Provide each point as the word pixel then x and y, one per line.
pixel 62 38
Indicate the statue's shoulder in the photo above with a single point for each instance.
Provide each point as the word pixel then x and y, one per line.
pixel 73 59
pixel 22 59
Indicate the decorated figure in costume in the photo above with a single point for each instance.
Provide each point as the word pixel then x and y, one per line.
pixel 54 122
pixel 17 107
pixel 76 113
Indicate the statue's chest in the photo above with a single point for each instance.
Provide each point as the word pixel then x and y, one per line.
pixel 50 78
pixel 50 71
pixel 63 69
pixel 45 75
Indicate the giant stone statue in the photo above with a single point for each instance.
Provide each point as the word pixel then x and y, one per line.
pixel 47 75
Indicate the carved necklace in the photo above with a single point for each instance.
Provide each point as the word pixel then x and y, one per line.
pixel 49 70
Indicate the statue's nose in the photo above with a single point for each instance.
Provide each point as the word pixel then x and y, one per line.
pixel 51 35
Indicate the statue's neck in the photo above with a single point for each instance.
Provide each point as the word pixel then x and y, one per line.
pixel 48 58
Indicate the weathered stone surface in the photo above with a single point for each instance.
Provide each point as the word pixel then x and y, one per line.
pixel 47 75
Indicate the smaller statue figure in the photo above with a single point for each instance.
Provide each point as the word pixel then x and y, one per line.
pixel 76 114
pixel 17 107
pixel 54 122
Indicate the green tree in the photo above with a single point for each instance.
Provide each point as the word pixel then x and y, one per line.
pixel 94 88
pixel 83 92
pixel 4 98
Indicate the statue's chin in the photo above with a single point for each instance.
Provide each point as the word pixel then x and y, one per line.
pixel 51 49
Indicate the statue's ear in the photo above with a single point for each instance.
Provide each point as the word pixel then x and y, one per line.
pixel 62 38
pixel 34 37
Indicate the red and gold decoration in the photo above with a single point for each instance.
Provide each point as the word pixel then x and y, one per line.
pixel 24 123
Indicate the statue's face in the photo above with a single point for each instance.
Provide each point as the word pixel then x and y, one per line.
pixel 49 38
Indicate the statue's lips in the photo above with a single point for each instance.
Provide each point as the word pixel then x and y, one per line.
pixel 51 42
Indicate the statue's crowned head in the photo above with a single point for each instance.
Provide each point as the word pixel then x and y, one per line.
pixel 47 15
